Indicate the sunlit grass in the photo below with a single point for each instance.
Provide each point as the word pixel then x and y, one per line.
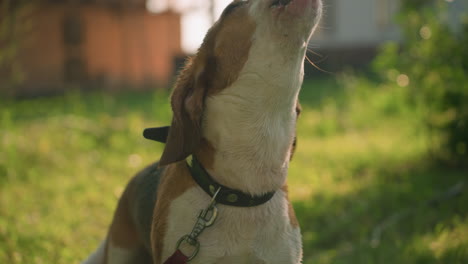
pixel 362 157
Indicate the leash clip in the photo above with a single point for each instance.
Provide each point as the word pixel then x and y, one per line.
pixel 206 218
pixel 211 208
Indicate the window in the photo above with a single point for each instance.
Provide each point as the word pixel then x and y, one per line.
pixel 72 30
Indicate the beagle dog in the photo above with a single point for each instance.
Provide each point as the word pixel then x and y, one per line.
pixel 235 106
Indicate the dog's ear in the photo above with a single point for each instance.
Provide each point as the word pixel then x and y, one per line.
pixel 294 144
pixel 187 103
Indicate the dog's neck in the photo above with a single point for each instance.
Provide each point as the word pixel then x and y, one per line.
pixel 251 127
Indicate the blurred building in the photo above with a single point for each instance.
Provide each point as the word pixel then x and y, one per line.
pixel 351 31
pixel 98 43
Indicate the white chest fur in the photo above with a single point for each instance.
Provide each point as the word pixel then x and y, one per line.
pixel 261 234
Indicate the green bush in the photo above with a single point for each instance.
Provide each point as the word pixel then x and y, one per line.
pixel 432 63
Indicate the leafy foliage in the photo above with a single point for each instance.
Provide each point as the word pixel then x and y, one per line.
pixel 432 63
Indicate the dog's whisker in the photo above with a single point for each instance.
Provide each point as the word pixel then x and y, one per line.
pixel 315 65
pixel 314 52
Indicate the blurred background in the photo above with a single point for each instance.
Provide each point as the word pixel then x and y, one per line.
pixel 381 169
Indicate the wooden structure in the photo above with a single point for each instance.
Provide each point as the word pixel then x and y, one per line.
pixel 97 43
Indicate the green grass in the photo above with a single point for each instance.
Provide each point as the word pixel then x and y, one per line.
pixel 362 163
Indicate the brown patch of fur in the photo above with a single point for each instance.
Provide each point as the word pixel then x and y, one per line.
pixel 292 215
pixel 106 250
pixel 175 181
pixel 217 64
pixel 185 132
pixel 231 48
pixel 122 232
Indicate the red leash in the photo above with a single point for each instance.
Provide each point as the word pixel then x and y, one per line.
pixel 177 258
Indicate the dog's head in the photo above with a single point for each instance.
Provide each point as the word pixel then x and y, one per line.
pixel 261 33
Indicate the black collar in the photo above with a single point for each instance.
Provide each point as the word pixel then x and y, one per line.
pixel 226 195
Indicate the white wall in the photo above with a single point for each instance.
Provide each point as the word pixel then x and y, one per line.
pixel 367 23
pixel 357 23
